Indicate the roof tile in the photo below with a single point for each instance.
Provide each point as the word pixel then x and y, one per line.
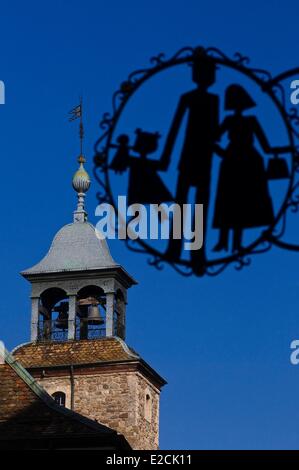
pixel 47 354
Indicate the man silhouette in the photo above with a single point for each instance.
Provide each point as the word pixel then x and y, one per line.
pixel 202 109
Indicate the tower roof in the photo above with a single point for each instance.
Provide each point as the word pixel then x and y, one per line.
pixel 76 247
pixel 97 354
pixel 47 354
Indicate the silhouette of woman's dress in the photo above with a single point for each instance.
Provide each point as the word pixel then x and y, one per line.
pixel 243 199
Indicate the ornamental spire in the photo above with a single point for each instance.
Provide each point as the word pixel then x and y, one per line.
pixel 81 179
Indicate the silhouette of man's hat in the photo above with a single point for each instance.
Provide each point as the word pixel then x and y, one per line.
pixel 203 66
pixel 200 57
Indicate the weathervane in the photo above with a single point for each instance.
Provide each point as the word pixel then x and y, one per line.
pixel 81 179
pixel 77 113
pixel 243 216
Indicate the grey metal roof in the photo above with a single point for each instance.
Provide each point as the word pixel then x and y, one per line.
pixel 75 247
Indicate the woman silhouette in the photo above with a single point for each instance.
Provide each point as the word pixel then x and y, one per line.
pixel 243 199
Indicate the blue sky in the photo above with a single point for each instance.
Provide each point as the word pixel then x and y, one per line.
pixel 222 343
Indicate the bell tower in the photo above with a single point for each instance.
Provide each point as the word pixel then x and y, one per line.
pixel 77 350
pixel 78 291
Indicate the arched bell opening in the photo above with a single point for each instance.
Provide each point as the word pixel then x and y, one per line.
pixel 90 313
pixel 53 315
pixel 119 315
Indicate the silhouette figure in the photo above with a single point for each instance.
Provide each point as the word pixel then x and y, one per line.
pixel 145 185
pixel 243 199
pixel 202 109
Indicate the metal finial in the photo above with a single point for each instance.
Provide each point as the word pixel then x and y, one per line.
pixel 81 128
pixel 81 179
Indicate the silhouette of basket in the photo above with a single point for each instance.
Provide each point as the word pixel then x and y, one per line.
pixel 277 169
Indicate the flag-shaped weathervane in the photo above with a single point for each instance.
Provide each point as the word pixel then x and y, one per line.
pixel 76 113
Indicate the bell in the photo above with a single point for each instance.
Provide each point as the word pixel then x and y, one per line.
pixel 88 301
pixel 62 319
pixel 44 311
pixel 94 316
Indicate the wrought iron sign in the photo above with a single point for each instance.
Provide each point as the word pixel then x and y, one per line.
pixel 248 186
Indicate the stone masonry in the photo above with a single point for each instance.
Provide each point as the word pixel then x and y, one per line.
pixel 117 400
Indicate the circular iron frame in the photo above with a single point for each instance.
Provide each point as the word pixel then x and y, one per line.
pixel 271 86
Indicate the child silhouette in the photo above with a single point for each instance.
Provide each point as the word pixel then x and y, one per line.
pixel 145 185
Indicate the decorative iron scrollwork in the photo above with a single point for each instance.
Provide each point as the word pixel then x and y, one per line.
pixel 275 88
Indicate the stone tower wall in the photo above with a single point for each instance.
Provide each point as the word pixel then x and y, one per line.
pixel 125 401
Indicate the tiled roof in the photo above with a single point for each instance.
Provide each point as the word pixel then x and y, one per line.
pixel 28 412
pixel 43 354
